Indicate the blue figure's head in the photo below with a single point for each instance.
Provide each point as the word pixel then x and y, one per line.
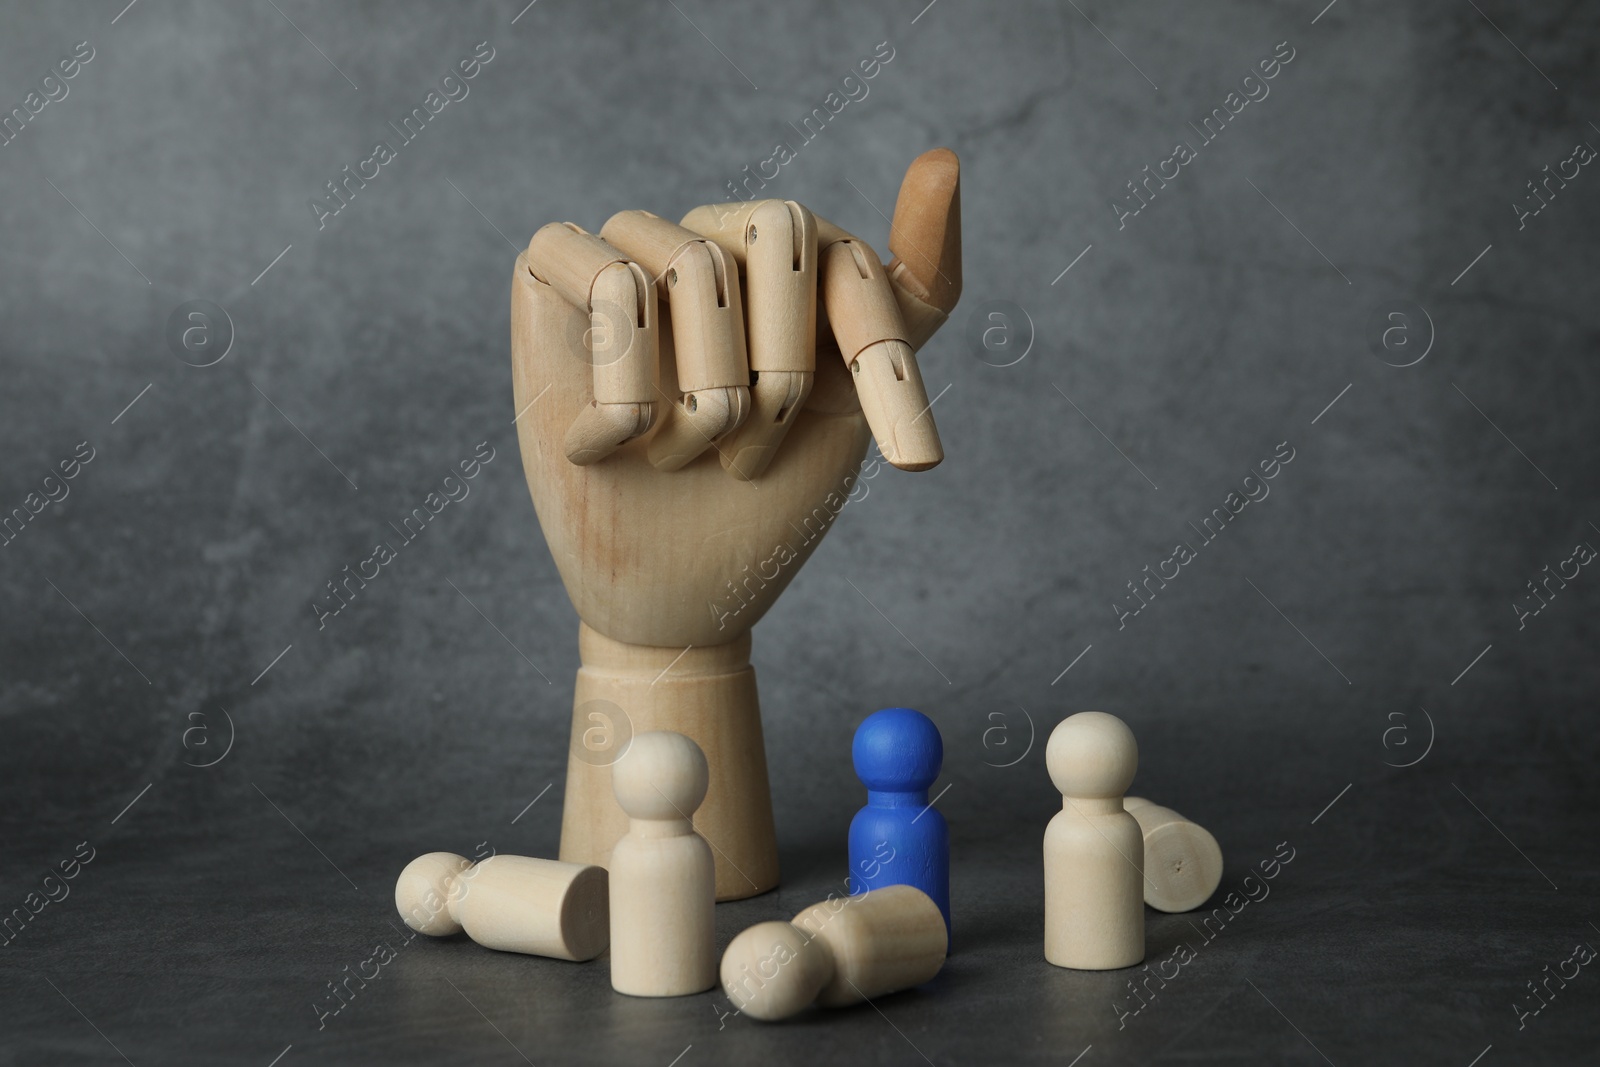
pixel 897 750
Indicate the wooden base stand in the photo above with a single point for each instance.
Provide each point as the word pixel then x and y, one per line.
pixel 709 696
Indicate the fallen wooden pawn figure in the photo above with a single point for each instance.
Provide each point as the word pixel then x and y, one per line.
pixel 511 903
pixel 835 953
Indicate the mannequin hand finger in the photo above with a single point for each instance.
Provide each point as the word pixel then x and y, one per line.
pixel 776 243
pixel 867 323
pixel 622 338
pixel 925 238
pixel 701 284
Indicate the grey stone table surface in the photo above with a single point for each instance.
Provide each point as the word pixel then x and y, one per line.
pixel 1375 268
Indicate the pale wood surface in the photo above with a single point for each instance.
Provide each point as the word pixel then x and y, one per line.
pixel 709 696
pixel 838 952
pixel 511 903
pixel 700 282
pixel 663 879
pixel 1182 861
pixel 1093 849
pixel 675 525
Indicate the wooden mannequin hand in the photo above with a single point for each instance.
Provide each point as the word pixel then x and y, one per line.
pixel 693 404
pixel 694 401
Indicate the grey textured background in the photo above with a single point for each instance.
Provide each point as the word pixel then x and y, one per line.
pixel 1196 339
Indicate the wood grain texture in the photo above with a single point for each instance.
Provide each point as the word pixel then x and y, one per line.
pixel 709 696
pixel 674 517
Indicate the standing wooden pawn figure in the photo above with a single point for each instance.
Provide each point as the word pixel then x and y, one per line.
pixel 663 876
pixel 899 838
pixel 1093 849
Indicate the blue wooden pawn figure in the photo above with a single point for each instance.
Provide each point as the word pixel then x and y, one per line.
pixel 898 838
